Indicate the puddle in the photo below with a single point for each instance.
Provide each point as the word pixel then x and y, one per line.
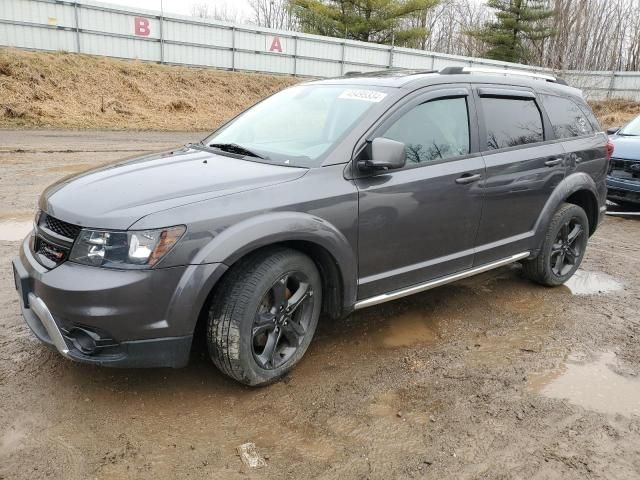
pixel 14 230
pixel 592 283
pixel 593 385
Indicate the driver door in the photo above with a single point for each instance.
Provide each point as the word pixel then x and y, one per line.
pixel 420 222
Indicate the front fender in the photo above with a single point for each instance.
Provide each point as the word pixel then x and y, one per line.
pixel 570 185
pixel 277 227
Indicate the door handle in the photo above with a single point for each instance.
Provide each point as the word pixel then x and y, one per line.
pixel 468 178
pixel 553 163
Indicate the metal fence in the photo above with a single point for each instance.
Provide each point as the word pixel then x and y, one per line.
pixel 103 29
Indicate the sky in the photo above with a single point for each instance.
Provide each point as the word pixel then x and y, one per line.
pixel 183 7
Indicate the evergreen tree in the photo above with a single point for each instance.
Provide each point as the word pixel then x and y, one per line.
pixel 519 25
pixel 379 21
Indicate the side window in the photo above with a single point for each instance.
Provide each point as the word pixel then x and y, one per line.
pixel 511 122
pixel 567 118
pixel 433 131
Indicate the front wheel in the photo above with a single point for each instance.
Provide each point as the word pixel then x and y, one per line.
pixel 263 316
pixel 563 247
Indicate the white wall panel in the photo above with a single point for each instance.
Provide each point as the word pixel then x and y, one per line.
pixel 36 38
pixel 373 56
pixel 130 32
pixel 263 63
pixel 120 47
pixel 118 23
pixel 317 68
pixel 315 49
pixel 411 60
pixel 191 55
pixel 37 12
pixel 200 34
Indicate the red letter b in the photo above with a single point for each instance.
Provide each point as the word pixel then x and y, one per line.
pixel 141 26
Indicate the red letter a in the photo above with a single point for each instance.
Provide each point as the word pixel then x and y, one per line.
pixel 275 45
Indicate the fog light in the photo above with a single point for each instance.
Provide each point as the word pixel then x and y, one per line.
pixel 83 340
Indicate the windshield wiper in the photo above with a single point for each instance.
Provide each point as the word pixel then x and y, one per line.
pixel 622 134
pixel 235 148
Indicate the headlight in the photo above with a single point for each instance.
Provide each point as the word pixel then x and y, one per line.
pixel 131 249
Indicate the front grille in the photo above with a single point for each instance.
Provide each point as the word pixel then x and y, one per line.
pixel 53 240
pixel 58 226
pixel 50 251
pixel 625 169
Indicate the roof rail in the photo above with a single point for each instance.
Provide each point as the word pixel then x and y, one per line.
pixel 498 71
pixel 387 72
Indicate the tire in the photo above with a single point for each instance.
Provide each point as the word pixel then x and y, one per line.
pixel 544 268
pixel 245 318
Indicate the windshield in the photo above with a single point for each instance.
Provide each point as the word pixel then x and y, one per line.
pixel 632 129
pixel 298 125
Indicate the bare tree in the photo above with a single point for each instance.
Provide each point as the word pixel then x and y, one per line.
pixel 215 11
pixel 587 34
pixel 272 14
pixel 447 24
pixel 592 35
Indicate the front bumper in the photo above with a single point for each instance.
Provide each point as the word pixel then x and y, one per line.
pixel 623 190
pixel 133 318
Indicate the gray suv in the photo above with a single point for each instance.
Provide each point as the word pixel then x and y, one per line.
pixel 328 197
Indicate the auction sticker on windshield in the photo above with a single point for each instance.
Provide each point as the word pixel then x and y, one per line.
pixel 366 95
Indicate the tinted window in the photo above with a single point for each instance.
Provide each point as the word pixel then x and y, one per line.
pixel 433 130
pixel 511 122
pixel 567 118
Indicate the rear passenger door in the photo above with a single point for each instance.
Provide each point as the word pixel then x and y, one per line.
pixel 583 143
pixel 524 165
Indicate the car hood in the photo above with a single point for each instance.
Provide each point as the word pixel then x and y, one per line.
pixel 117 195
pixel 627 148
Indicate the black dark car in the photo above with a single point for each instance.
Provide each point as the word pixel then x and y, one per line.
pixel 623 180
pixel 327 197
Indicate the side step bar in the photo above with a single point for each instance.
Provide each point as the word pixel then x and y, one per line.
pixel 386 297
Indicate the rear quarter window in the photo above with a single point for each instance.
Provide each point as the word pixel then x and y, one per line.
pixel 586 109
pixel 567 118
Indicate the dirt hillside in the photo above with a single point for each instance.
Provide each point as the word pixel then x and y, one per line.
pixel 62 90
pixel 615 112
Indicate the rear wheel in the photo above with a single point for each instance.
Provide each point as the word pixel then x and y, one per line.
pixel 563 247
pixel 263 316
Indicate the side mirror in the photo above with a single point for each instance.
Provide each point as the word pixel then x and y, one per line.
pixel 385 154
pixel 613 131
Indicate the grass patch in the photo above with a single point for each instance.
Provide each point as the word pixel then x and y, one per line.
pixel 61 90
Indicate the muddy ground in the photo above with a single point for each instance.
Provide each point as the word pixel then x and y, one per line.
pixel 492 377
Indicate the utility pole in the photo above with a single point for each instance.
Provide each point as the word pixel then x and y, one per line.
pixel 161 33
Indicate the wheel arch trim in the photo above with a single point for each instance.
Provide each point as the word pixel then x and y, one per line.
pixel 285 228
pixel 574 183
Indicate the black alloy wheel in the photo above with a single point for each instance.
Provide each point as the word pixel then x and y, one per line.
pixel 263 315
pixel 562 249
pixel 282 320
pixel 567 248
